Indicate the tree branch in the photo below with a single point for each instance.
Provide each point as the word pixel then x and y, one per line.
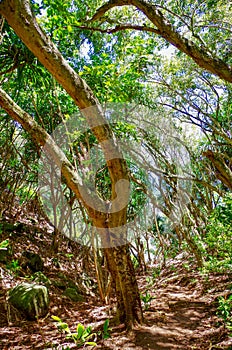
pixel 42 138
pixel 167 31
pixel 121 27
pixel 12 68
pixel 214 26
pixel 108 6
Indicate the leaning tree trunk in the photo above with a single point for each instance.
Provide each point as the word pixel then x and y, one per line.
pixel 19 16
pixel 123 274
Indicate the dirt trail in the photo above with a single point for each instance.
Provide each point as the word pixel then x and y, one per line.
pixel 179 317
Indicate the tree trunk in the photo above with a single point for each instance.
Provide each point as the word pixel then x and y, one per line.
pixel 123 274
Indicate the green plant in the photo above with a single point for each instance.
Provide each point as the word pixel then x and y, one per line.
pixel 194 281
pixel 149 280
pixel 13 266
pixel 218 237
pixel 69 256
pixel 135 262
pixel 156 272
pixel 80 337
pixel 40 278
pixel 106 330
pixel 225 310
pixel 4 244
pixel 216 265
pixel 186 266
pixel 173 268
pixel 146 299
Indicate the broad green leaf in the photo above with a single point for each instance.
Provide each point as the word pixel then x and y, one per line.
pixel 56 318
pixel 106 325
pixel 80 330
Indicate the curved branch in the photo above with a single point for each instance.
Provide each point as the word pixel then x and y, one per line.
pixel 223 172
pixel 203 59
pixel 42 138
pixel 214 26
pixel 121 27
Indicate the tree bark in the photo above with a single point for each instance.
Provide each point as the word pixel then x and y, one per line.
pixel 128 299
pixel 222 170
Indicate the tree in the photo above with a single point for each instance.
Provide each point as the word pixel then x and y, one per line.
pixel 20 18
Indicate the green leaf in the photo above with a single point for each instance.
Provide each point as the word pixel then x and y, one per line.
pixel 106 325
pixel 80 330
pixel 70 29
pixel 4 244
pixel 106 335
pixel 64 327
pixel 56 318
pixel 91 343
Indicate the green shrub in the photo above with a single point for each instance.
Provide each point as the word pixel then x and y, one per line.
pixel 13 266
pixel 225 310
pixel 219 236
pixel 146 299
pixel 82 335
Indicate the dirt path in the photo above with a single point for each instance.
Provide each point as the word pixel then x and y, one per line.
pixel 179 317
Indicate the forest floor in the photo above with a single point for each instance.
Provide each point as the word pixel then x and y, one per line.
pixel 182 312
